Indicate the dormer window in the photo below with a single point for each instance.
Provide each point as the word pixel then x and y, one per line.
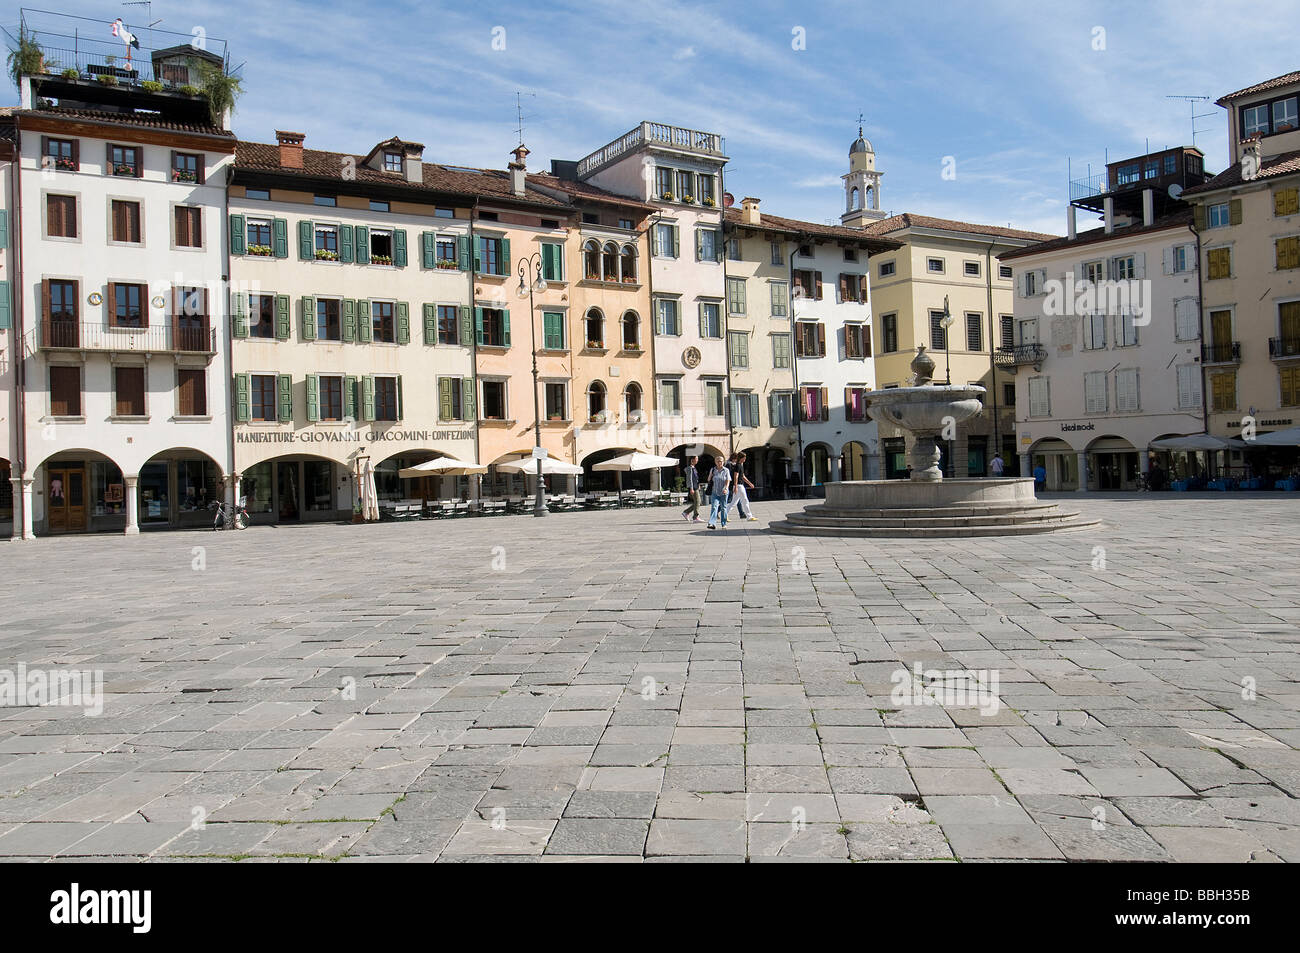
pixel 1271 118
pixel 392 162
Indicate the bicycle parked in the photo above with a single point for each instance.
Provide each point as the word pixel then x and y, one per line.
pixel 228 517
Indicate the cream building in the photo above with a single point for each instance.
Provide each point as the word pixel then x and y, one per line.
pixel 8 377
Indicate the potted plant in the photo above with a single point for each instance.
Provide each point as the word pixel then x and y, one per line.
pixel 123 169
pixel 381 259
pixel 446 263
pixel 261 251
pixel 555 416
pixel 323 254
pixel 688 199
pixel 27 58
pixel 151 86
pixel 710 203
pixel 66 163
pixel 667 196
pixel 107 79
pixel 595 345
pixel 221 90
pixel 71 74
pixel 189 90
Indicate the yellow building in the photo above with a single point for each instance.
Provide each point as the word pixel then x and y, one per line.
pixel 952 265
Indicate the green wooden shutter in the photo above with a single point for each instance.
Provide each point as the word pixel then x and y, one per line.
pixel 703 328
pixel 478 326
pixel 444 398
pixel 4 228
pixel 243 408
pixel 1234 212
pixel 306 241
pixel 699 245
pixel 368 397
pixel 466 326
pixel 753 410
pixel 365 324
pixel 467 398
pixel 659 317
pixel 280 238
pixel 427 249
pixel 677 241
pixel 350 397
pixel 403 323
pixel 430 324
pixel 362 244
pixel 239 315
pixel 238 237
pixel 504 258
pixel 345 243
pixel 399 248
pixel 773 413
pixel 462 248
pixel 282 324
pixel 505 327
pixel 286 398
pixel 1198 217
pixel 308 318
pixel 313 398
pixel 349 319
pixel 6 306
pixel 397 386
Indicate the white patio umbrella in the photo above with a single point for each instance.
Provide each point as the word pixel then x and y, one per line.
pixel 1197 441
pixel 550 465
pixel 637 461
pixel 442 466
pixel 1279 438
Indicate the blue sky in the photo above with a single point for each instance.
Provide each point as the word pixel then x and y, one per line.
pixel 1011 90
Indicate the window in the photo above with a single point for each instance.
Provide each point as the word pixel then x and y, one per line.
pixel 1128 174
pixel 262 195
pixel 1127 398
pixel 710 320
pixel 744 409
pixel 1189 386
pixel 1094 331
pixel 1270 118
pixel 665 241
pixel 1223 388
pixel 189 226
pixel 805 251
pixel 494 327
pixel 890 323
pixel 124 160
pixel 1284 115
pixel 261 316
pixel 1094 393
pixel 594 328
pixel 667 317
pixel 327 242
pixel 262 402
pixel 259 236
pixel 1004 271
pixel 782 409
pixel 855 403
pixel 853 288
pixel 61 216
pixel 632 401
pixel 491 256
pixel 1040 397
pixel 328 201
pixel 1287 253
pixel 1182 258
pixel 670 397
pixel 128 306
pixel 813 403
pixel 1286 202
pixel 60 154
pixel 738 348
pixel 1218 263
pixel 386 399
pixel 780 292
pixel 553 336
pixel 685 186
pixel 780 350
pixel 596 401
pixel 664 183
pixel 778 255
pixel 1094 271
pixel 1171 164
pixel 385 331
pixel 1009 395
pixel 707 190
pixel 557 400
pixel 448 316
pixel 328 320
pixel 974 332
pixel 706 244
pixel 126 221
pixel 735 296
pixel 733 249
pixel 1151 169
pixel 609 262
pixel 445 251
pixel 809 339
pixel 378 206
pixel 1123 268
pixel 713 398
pixel 1007 327
pixel 1289 385
pixel 808 285
pixel 444 213
pixel 1187 320
pixel 1218 216
pixel 381 247
pixel 850 254
pixel 65 391
pixel 451 398
pixel 591 261
pixel 971 269
pixel 392 162
pixel 934 265
pixel 590 218
pixel 631 331
pixel 938 333
pixel 191 392
pixel 187 167
pixel 1128 332
pixel 1029 331
pixel 1031 283
pixel 552 261
pixel 857 342
pixel 63 330
pixel 493 403
pixel 887 269
pixel 626 223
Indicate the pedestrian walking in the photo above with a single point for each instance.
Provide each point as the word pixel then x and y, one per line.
pixel 997 466
pixel 740 495
pixel 1040 477
pixel 692 511
pixel 719 492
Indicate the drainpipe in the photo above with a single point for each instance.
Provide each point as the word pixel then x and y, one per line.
pixel 722 317
pixel 473 344
pixel 993 367
pixel 650 402
pixel 231 473
pixel 796 405
pixel 22 499
pixel 1200 327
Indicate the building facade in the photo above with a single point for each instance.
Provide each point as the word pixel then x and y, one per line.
pixel 9 484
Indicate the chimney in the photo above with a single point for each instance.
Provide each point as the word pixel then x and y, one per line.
pixel 1108 206
pixel 1071 228
pixel 413 163
pixel 1148 207
pixel 518 169
pixel 290 149
pixel 749 211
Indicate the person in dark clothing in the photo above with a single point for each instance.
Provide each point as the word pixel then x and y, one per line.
pixel 692 511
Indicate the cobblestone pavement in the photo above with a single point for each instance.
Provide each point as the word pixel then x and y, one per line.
pixel 623 685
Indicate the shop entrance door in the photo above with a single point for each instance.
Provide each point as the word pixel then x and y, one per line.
pixel 66 499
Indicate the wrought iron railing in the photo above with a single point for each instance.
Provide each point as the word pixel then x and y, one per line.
pixel 1020 354
pixel 1284 347
pixel 1228 353
pixel 56 334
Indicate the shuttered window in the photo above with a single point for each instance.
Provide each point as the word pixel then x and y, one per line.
pixel 128 386
pixel 1223 391
pixel 1127 397
pixel 126 221
pixel 974 332
pixel 1287 251
pixel 1286 202
pixel 1040 397
pixel 61 216
pixel 736 296
pixel 1189 386
pixel 1094 331
pixel 65 391
pixel 1187 320
pixel 938 333
pixel 191 392
pixel 1094 392
pixel 1289 379
pixel 189 226
pixel 1128 332
pixel 780 350
pixel 262 399
pixel 553 330
pixel 1218 263
pixel 738 348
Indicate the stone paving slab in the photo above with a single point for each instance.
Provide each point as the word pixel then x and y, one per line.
pixel 629 688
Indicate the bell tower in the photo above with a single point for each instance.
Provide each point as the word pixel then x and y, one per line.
pixel 861 184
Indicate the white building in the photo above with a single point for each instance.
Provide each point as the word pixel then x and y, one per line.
pixel 7 350
pixel 120 324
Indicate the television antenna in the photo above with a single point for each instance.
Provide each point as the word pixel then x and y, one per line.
pixel 148 15
pixel 1191 103
pixel 519 113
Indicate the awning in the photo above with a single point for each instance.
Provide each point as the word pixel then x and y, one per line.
pixel 637 461
pixel 1197 441
pixel 442 466
pixel 1278 438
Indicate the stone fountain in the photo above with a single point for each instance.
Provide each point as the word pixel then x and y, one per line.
pixel 927 505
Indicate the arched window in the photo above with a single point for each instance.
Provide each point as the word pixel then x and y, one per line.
pixel 609 263
pixel 628 261
pixel 631 331
pixel 867 201
pixel 591 260
pixel 595 328
pixel 632 399
pixel 596 401
pixel 853 198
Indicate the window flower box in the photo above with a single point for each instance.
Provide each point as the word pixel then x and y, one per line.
pixel 710 203
pixel 381 259
pixel 554 417
pixel 447 264
pixel 597 418
pixel 151 86
pixel 596 345
pixel 326 255
pixel 184 175
pixel 261 251
pixel 71 74
pixel 635 348
pixel 106 79
pixel 66 163
pixel 629 280
pixel 124 169
pixel 667 196
pixel 688 199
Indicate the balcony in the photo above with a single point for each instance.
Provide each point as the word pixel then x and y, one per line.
pixel 1020 354
pixel 1227 353
pixel 1283 348
pixel 649 134
pixel 52 334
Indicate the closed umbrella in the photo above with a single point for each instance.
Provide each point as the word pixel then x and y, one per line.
pixel 369 496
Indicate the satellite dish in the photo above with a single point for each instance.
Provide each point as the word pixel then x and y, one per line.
pixel 1175 190
pixel 728 199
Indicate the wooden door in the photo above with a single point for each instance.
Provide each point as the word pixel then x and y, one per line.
pixel 66 499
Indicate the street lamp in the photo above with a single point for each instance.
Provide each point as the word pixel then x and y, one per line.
pixel 533 264
pixel 946 321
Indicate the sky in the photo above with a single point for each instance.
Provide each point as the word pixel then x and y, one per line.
pixel 1016 93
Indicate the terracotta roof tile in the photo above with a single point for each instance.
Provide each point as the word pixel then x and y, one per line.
pixel 1274 83
pixel 1286 163
pixel 585 190
pixel 141 120
pixel 1179 219
pixel 912 220
pixel 795 226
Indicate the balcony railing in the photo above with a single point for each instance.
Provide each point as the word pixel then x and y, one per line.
pixel 1229 353
pixel 655 133
pixel 1283 347
pixel 53 334
pixel 1020 354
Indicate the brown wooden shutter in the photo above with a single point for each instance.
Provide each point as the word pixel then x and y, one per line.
pixel 182 224
pixel 818 284
pixel 76 154
pixel 866 340
pixel 111 298
pixel 184 391
pixel 821 334
pixel 826 407
pixel 172 171
pixel 108 157
pixel 844 287
pixel 45 312
pixel 862 288
pixel 45 148
pixel 138 152
pixel 848 403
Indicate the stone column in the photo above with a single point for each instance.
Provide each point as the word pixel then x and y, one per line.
pixel 1026 465
pixel 132 506
pixel 1083 473
pixel 23 486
